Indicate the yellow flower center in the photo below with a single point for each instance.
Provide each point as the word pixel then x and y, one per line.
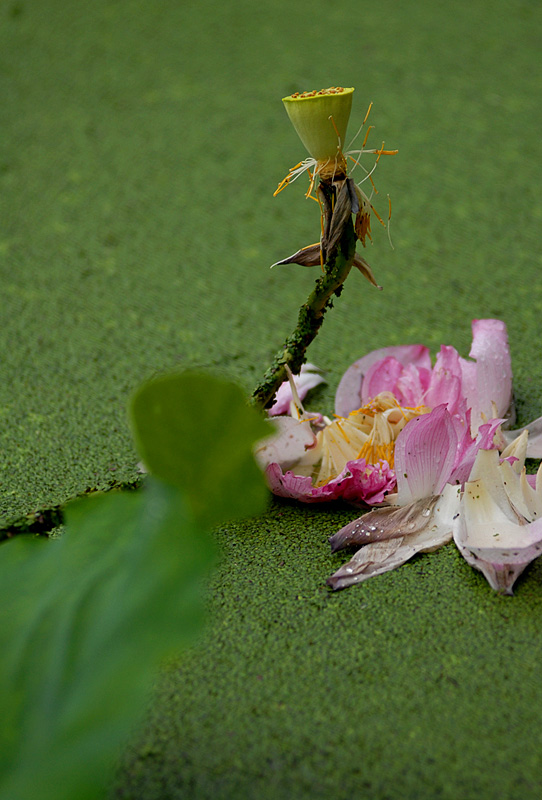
pixel 369 432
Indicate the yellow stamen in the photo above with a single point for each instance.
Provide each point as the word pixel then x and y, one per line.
pixel 369 129
pixel 369 432
pixel 285 181
pixel 377 215
pixel 339 428
pixel 373 453
pixel 312 177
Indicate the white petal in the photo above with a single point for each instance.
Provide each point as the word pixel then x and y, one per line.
pixel 487 523
pixel 520 494
pixel 517 448
pixel 490 542
pixel 534 429
pixel 292 439
pixel 532 497
pixel 486 470
pixel 538 486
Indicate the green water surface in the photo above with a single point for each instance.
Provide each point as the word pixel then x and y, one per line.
pixel 140 146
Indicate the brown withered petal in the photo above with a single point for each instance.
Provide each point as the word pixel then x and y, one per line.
pixel 362 222
pixel 362 226
pixel 326 213
pixel 379 557
pixel 341 216
pixel 354 199
pixel 310 256
pixel 365 270
pixel 366 563
pixel 384 523
pixel 307 257
pixel 396 536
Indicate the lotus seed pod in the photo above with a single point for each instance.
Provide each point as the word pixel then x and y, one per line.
pixel 320 119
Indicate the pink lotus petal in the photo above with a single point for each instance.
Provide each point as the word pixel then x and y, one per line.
pixel 448 360
pixel 306 380
pixel 295 487
pixel 411 388
pixel 490 379
pixel 468 449
pixel 348 397
pixel 469 381
pixel 381 377
pixel 409 384
pixel 424 455
pixel 446 383
pixel 446 388
pixel 358 483
pixel 486 434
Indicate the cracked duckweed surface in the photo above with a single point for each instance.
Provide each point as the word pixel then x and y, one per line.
pixel 141 146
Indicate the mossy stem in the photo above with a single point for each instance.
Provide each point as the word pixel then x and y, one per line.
pixel 311 316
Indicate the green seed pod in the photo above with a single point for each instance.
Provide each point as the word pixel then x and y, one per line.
pixel 320 119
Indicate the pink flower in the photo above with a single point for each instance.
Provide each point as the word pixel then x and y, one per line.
pixel 496 521
pixel 432 434
pixel 484 385
pixel 315 459
pixel 306 380
pixel 431 455
pixel 405 433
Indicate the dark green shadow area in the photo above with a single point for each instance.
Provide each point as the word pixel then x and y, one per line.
pixel 140 147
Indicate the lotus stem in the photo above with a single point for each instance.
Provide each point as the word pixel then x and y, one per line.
pixel 339 261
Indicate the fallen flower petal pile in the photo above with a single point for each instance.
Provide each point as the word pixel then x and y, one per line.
pixel 425 444
pixel 349 458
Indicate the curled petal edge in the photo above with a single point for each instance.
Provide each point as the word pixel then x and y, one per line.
pixel 287 442
pixel 387 554
pixel 359 483
pixel 307 379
